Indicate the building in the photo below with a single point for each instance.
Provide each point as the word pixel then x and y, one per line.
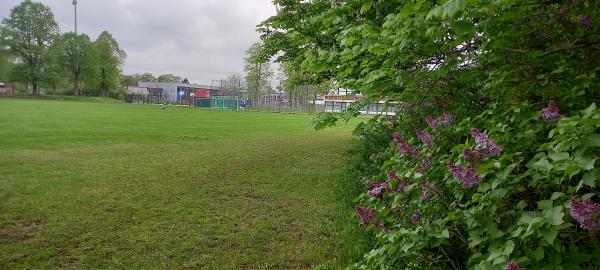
pixel 340 100
pixel 5 90
pixel 182 93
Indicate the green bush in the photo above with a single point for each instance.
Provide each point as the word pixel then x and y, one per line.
pixel 502 194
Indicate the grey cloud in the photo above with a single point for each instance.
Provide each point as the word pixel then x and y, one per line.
pixel 199 39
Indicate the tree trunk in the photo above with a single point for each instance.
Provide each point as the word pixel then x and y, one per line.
pixel 35 88
pixel 76 90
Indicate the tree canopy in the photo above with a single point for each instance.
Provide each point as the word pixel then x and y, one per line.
pixel 28 32
pixel 110 60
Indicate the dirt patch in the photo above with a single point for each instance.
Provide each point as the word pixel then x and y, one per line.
pixel 19 232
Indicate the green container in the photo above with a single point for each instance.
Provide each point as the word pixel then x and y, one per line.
pixel 203 103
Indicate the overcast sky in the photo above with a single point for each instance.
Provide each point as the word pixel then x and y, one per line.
pixel 202 40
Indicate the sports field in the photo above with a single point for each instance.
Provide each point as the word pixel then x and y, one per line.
pixel 102 184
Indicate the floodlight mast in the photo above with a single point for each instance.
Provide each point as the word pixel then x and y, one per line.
pixel 76 89
pixel 75 5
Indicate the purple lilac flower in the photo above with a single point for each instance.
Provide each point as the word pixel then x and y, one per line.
pixel 433 123
pixel 381 185
pixel 375 192
pixel 425 137
pixel 438 101
pixel 425 164
pixel 415 153
pixel 393 120
pixel 447 118
pixel 365 215
pixel 551 113
pixel 487 146
pixel 383 228
pixel 472 156
pixel 466 176
pixel 512 265
pixel 378 188
pixel 426 195
pixel 416 216
pixel 400 186
pixel 586 212
pixel 403 146
pixel 586 22
pixel 393 176
pixel 407 106
pixel 429 188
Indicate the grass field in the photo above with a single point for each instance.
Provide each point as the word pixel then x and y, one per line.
pixel 118 186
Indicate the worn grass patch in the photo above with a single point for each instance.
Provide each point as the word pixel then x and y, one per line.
pixel 108 185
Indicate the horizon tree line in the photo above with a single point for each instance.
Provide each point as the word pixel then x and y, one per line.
pixel 35 54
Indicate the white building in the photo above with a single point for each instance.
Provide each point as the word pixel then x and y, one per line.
pixel 340 100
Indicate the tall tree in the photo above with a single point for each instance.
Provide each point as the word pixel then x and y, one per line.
pixel 233 84
pixel 6 65
pixel 258 71
pixel 76 56
pixel 28 32
pixel 110 59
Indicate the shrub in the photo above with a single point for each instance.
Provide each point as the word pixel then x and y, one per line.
pixel 505 188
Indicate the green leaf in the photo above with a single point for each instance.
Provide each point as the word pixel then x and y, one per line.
pixel 549 236
pixel 589 178
pixel 366 6
pixel 585 162
pixel 538 254
pixel 594 140
pixel 435 12
pixel 589 111
pixel 557 156
pixel 554 215
pixel 545 204
pixel 543 164
pixel 556 195
pixel 464 28
pixel 454 8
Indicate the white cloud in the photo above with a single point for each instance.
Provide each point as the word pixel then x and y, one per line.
pixel 198 39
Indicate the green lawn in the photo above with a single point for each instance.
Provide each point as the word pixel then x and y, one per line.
pixel 119 186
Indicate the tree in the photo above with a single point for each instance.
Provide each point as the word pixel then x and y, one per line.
pixel 169 78
pixel 146 77
pixel 6 65
pixel 129 80
pixel 29 32
pixel 76 56
pixel 54 77
pixel 110 59
pixel 258 71
pixel 233 85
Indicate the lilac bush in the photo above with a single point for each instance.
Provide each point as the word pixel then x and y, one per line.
pixel 513 203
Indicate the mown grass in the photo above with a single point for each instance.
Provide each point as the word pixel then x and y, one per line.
pixel 107 185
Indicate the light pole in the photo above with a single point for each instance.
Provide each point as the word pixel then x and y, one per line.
pixel 75 5
pixel 76 81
